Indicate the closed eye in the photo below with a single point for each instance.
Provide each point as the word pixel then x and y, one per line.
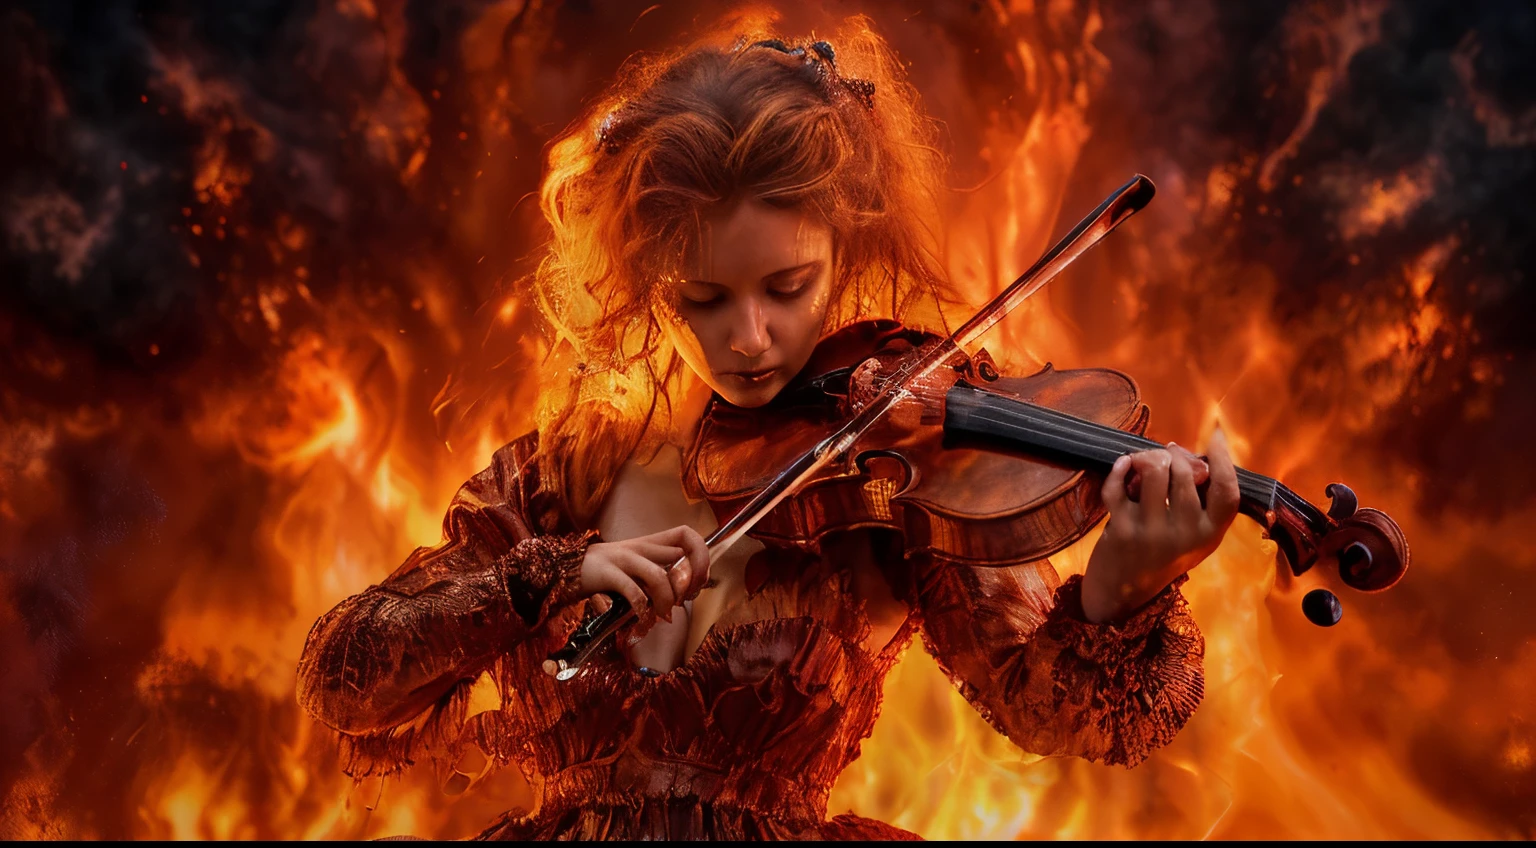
pixel 795 282
pixel 790 292
pixel 713 300
pixel 701 295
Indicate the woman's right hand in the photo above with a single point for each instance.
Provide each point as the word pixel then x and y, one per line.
pixel 641 570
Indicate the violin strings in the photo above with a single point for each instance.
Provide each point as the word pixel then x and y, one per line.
pixel 1257 488
pixel 1040 427
pixel 1070 435
pixel 1117 441
pixel 1252 488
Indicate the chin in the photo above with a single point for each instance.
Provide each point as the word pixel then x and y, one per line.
pixel 750 397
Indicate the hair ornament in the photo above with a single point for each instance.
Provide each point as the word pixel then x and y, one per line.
pixel 825 58
pixel 614 131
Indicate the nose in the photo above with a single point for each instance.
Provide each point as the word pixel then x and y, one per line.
pixel 749 332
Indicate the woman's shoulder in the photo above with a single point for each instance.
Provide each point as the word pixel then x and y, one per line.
pixel 514 479
pixel 518 459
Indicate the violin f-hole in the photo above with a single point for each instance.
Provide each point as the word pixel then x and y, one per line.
pixel 909 474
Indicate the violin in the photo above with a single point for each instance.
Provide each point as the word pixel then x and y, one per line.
pixel 894 429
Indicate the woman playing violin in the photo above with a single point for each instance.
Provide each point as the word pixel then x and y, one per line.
pixel 715 216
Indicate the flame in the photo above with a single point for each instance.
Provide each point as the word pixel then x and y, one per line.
pixel 1388 203
pixel 309 475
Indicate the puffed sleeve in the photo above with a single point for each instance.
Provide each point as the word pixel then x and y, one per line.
pixel 1015 642
pixel 392 665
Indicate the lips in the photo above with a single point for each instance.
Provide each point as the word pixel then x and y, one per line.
pixel 757 376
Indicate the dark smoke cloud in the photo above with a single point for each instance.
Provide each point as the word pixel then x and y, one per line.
pixel 1435 88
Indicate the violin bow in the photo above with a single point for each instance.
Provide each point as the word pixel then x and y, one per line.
pixel 1126 201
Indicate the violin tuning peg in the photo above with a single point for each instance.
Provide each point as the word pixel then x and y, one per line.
pixel 1322 608
pixel 1344 503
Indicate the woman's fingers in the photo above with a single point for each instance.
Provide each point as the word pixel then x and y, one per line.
pixel 662 555
pixel 654 573
pixel 658 587
pixel 1223 496
pixel 1153 466
pixel 619 581
pixel 666 556
pixel 1202 471
pixel 1113 491
pixel 679 576
pixel 1183 500
pixel 692 544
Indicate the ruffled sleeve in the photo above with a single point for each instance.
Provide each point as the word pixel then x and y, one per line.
pixel 390 668
pixel 1017 645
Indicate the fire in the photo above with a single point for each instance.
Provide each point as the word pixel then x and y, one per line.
pixel 1389 203
pixel 307 448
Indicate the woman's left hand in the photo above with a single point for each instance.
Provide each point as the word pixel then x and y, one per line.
pixel 1149 542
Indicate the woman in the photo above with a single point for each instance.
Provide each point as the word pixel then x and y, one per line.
pixel 714 217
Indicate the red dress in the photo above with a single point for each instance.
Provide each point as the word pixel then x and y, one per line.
pixel 747 737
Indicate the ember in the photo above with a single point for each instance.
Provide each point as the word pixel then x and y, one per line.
pixel 262 320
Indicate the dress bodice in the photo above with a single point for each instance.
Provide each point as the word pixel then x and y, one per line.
pixel 757 723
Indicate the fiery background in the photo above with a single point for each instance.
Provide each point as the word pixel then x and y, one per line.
pixel 246 245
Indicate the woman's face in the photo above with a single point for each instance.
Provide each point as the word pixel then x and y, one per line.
pixel 752 302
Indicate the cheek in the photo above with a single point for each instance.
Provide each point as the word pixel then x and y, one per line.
pixel 694 340
pixel 803 321
pixel 796 326
pixel 711 336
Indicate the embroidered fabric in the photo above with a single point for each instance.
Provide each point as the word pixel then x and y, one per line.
pixel 746 738
pixel 1020 650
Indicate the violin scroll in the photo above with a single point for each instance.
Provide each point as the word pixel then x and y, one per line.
pixel 1368 547
pixel 1371 549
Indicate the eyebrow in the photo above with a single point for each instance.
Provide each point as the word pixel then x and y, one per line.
pixel 772 277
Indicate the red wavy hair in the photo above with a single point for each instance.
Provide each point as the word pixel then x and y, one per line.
pixel 678 134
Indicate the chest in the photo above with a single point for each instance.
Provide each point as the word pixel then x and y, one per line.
pixel 649 497
pixel 646 498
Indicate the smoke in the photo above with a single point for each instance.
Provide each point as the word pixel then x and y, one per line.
pixel 1355 137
